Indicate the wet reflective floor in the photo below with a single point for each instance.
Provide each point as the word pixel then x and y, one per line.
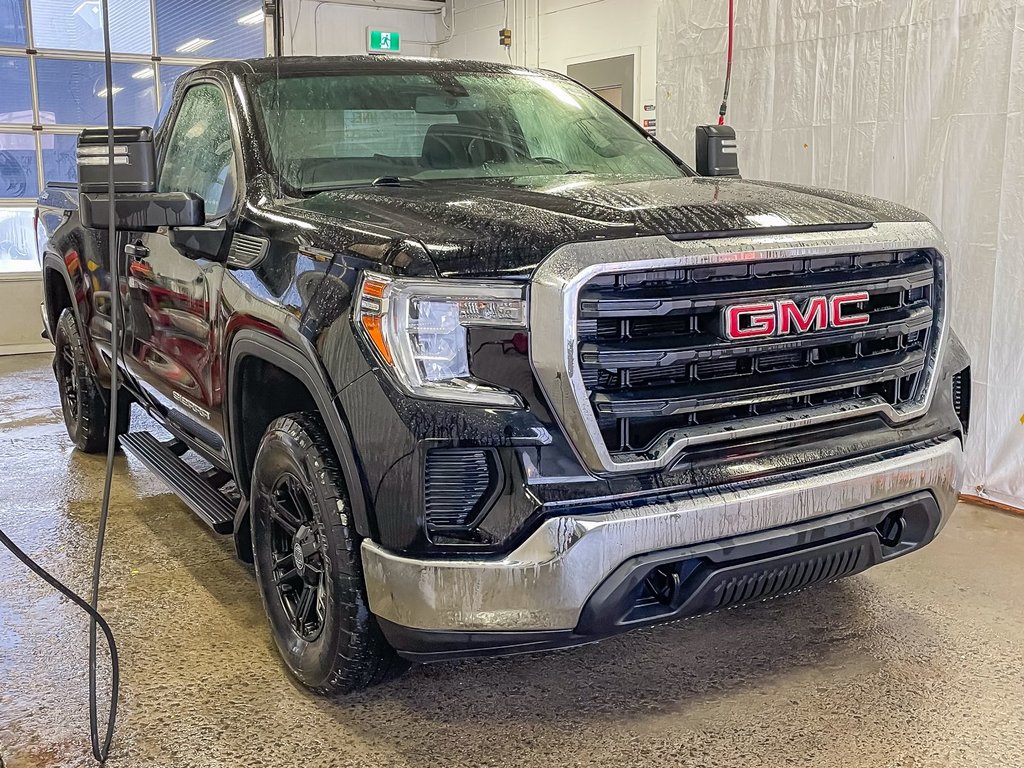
pixel 916 663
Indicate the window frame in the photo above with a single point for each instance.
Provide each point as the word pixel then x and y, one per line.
pixel 166 130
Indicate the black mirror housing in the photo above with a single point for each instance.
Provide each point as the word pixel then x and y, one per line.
pixel 144 212
pixel 716 151
pixel 201 242
pixel 134 160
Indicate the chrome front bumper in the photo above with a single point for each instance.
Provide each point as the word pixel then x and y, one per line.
pixel 546 582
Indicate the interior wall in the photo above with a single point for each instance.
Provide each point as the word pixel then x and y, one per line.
pixel 572 31
pixel 477 23
pixel 922 103
pixel 330 28
pixel 22 321
pixel 553 34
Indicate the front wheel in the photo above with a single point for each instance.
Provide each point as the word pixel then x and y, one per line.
pixel 308 565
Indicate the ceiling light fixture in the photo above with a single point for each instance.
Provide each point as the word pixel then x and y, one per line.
pixel 90 5
pixel 115 90
pixel 142 74
pixel 193 45
pixel 256 17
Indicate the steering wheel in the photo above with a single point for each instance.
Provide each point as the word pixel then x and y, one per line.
pixel 515 153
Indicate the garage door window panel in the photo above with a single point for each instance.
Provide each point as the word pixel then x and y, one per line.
pixel 73 92
pixel 200 156
pixel 77 25
pixel 15 90
pixel 59 160
pixel 18 176
pixel 17 240
pixel 12 23
pixel 226 28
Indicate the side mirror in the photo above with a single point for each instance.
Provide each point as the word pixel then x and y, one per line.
pixel 137 206
pixel 142 212
pixel 134 160
pixel 716 151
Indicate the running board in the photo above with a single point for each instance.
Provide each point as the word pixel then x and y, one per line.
pixel 207 502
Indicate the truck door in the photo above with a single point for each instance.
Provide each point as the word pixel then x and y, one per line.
pixel 170 343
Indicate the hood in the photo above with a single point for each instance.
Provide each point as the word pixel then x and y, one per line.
pixel 489 227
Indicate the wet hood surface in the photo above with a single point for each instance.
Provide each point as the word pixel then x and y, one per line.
pixel 506 227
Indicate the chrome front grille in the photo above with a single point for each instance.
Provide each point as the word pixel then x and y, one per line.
pixel 628 343
pixel 655 359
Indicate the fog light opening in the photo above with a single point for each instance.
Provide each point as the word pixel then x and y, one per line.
pixel 661 586
pixel 891 530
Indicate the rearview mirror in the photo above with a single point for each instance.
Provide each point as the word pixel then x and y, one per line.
pixel 144 212
pixel 444 105
pixel 134 160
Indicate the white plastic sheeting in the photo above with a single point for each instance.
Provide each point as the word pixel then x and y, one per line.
pixel 917 101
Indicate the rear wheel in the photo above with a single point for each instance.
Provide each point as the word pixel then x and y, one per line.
pixel 85 404
pixel 308 564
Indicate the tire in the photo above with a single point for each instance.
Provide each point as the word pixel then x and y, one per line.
pixel 303 542
pixel 85 404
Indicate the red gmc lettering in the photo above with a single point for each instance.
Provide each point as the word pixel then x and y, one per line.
pixel 762 321
pixel 751 321
pixel 837 302
pixel 815 315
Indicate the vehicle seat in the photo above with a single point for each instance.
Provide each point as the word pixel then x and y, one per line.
pixel 447 145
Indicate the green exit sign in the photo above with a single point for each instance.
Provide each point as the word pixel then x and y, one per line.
pixel 382 41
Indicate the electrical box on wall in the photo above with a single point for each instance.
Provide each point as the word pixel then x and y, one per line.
pixel 505 37
pixel 382 41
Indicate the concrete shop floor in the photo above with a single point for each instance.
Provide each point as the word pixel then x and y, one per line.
pixel 917 663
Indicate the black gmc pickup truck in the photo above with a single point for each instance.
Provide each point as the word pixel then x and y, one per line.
pixel 467 363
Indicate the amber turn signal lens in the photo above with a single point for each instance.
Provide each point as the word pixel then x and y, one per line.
pixel 374 327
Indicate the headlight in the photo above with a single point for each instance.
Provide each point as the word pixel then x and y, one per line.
pixel 417 327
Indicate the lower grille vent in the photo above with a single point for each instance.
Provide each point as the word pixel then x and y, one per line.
pixel 458 483
pixel 778 581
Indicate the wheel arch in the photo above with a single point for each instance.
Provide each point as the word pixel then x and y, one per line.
pixel 58 293
pixel 247 344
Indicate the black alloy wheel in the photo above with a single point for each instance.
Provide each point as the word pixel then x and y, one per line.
pixel 299 558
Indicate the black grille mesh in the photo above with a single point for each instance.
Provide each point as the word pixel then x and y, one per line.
pixel 655 359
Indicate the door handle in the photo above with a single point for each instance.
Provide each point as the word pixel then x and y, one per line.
pixel 137 251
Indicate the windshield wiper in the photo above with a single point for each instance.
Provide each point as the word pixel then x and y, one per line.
pixel 396 181
pixel 380 181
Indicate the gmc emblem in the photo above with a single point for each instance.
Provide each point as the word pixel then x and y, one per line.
pixel 784 317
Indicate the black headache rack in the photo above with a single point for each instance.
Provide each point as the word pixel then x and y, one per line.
pixel 657 364
pixel 680 583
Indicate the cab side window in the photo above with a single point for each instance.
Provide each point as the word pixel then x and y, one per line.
pixel 200 156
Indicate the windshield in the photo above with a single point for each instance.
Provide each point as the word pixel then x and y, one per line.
pixel 331 131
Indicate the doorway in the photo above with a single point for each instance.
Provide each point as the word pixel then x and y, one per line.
pixel 611 79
